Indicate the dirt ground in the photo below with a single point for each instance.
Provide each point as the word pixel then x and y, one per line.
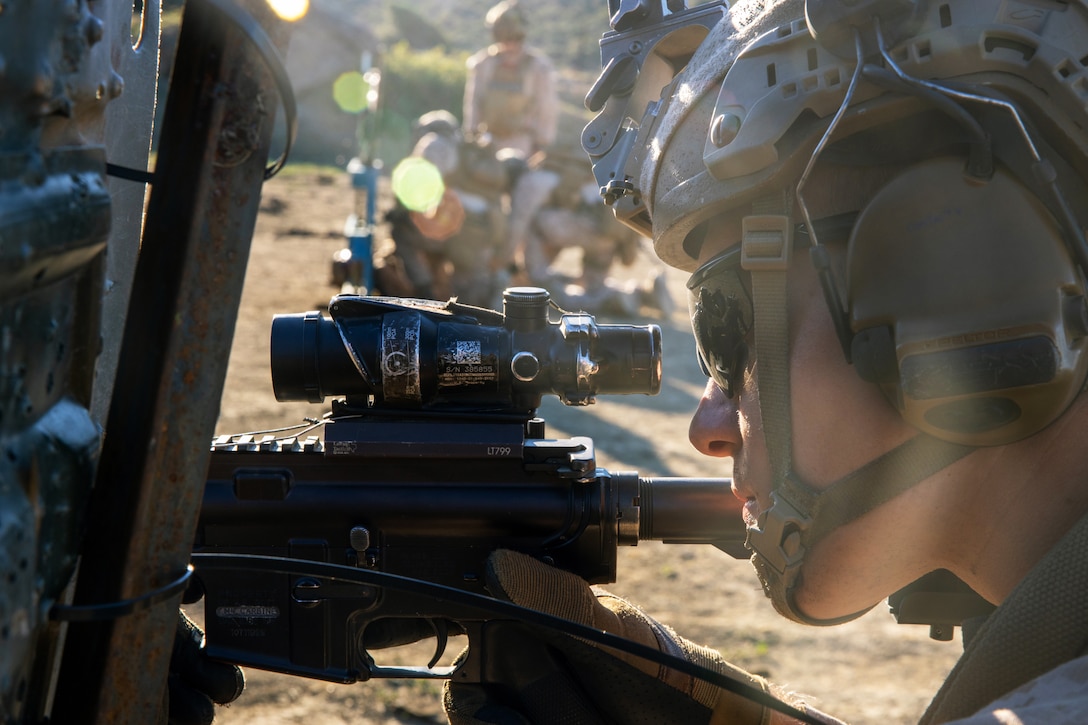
pixel 869 671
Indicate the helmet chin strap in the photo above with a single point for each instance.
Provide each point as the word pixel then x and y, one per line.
pixel 800 516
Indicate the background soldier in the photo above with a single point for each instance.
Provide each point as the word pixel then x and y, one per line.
pixel 510 90
pixel 450 248
pixel 556 206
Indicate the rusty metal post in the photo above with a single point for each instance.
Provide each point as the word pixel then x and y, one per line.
pixel 184 301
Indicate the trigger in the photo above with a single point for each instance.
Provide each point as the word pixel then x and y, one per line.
pixel 441 634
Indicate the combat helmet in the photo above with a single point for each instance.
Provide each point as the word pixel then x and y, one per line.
pixel 964 297
pixel 439 121
pixel 507 22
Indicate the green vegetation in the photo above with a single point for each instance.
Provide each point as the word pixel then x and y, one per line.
pixel 303 168
pixel 414 82
pixel 567 30
pixel 421 47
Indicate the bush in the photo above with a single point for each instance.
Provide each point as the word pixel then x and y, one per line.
pixel 414 82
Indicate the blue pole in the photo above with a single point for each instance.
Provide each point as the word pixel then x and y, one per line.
pixel 360 227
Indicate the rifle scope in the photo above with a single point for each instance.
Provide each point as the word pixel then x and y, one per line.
pixel 425 354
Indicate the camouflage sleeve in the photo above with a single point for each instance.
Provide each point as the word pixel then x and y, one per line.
pixel 1058 697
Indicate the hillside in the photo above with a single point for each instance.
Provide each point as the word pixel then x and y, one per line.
pixel 568 30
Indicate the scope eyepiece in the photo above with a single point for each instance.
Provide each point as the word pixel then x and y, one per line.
pixel 427 354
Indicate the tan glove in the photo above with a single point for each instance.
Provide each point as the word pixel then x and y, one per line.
pixel 559 679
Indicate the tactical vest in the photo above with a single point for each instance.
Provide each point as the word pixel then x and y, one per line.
pixel 505 103
pixel 1040 626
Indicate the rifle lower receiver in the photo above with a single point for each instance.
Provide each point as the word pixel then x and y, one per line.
pixel 424 498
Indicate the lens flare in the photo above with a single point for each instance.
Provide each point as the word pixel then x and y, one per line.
pixel 418 184
pixel 349 91
pixel 289 10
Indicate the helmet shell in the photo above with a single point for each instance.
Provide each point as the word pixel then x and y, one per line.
pixel 507 22
pixel 438 121
pixel 741 120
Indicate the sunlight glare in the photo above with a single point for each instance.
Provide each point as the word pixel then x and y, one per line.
pixel 289 10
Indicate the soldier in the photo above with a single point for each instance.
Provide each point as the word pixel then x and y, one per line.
pixel 556 206
pixel 884 206
pixel 510 91
pixel 419 232
pixel 450 247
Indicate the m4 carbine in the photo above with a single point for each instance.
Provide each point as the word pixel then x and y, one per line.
pixel 314 550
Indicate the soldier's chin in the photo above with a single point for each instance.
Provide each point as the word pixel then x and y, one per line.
pixel 803 606
pixel 823 609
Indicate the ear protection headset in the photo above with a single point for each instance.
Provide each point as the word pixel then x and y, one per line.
pixel 965 304
pixel 965 291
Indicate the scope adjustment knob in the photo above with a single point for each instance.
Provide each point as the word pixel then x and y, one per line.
pixel 525 366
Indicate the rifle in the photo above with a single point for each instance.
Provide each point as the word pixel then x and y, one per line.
pixel 308 545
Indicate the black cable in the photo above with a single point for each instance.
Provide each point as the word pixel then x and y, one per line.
pixel 495 609
pixel 124 607
pixel 273 61
pixel 129 174
pixel 981 163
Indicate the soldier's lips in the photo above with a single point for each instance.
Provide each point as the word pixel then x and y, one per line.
pixel 751 509
pixel 751 512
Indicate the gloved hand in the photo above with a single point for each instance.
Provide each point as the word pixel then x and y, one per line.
pixel 538 678
pixel 196 682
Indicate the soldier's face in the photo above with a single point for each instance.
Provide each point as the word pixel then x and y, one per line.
pixel 839 423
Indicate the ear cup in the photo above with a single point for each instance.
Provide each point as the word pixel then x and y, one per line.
pixel 967 308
